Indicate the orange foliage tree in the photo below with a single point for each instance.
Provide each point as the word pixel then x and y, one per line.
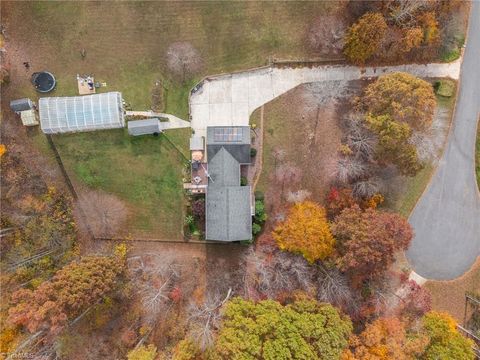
pixel 72 289
pixel 306 231
pixel 387 338
pixel 365 37
pixel 402 96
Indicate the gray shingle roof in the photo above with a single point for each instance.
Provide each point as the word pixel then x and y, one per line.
pixel 228 208
pixel 235 139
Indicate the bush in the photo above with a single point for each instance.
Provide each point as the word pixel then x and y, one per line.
pixel 253 152
pixel 256 228
pixel 451 55
pixel 243 181
pixel 445 88
pixel 259 195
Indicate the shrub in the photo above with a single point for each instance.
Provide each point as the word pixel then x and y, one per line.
pixel 243 181
pixel 445 88
pixel 253 152
pixel 256 228
pixel 259 195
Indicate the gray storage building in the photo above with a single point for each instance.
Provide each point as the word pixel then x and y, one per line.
pixel 21 105
pixel 145 127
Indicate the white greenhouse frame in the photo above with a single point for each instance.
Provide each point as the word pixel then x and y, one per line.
pixel 81 113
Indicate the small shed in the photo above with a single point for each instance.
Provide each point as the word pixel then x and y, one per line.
pixel 29 118
pixel 21 105
pixel 145 127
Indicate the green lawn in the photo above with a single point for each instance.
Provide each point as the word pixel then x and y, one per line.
pixel 145 172
pixel 126 42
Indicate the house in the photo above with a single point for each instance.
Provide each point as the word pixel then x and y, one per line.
pixel 229 206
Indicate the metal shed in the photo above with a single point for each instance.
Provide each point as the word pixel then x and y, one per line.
pixel 81 113
pixel 144 127
pixel 21 105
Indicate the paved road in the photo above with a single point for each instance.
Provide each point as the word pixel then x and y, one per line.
pixel 230 99
pixel 447 218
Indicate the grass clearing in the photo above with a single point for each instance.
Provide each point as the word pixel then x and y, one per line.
pixel 126 42
pixel 145 172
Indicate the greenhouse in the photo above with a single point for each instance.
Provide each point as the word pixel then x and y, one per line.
pixel 81 113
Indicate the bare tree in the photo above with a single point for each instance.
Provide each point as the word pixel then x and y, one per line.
pixel 298 196
pixel 155 280
pixel 271 272
pixel 104 212
pixel 402 12
pixel 288 174
pixel 349 169
pixel 359 139
pixel 326 35
pixel 366 188
pixel 333 287
pixel 204 319
pixel 278 156
pixel 183 59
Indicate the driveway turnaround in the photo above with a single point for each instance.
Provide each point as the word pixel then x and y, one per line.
pixel 447 218
pixel 229 100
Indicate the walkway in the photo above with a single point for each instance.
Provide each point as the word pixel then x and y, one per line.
pixel 447 218
pixel 229 100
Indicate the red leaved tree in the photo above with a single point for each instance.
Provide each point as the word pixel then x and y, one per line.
pixel 368 240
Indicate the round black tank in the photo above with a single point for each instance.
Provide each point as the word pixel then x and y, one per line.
pixel 43 81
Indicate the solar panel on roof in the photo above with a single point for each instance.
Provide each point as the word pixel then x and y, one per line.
pixel 229 134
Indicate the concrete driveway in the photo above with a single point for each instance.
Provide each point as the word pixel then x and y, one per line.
pixel 447 218
pixel 229 100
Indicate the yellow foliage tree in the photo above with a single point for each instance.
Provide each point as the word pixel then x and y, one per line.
pixel 306 231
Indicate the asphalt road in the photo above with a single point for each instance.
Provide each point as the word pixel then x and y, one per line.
pixel 446 220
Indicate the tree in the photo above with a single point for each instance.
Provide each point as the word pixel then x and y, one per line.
pixel 404 97
pixel 271 272
pixel 393 144
pixel 412 38
pixel 143 353
pixel 104 212
pixel 183 59
pixel 306 231
pixel 304 329
pixel 387 338
pixel 72 289
pixel 337 200
pixel 368 240
pixel 364 37
pixel 445 342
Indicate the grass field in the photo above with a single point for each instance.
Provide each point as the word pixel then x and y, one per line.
pixel 126 42
pixel 145 172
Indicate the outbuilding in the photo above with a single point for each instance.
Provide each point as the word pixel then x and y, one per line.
pixel 81 113
pixel 145 127
pixel 21 105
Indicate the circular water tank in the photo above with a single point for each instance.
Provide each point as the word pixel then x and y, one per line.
pixel 43 81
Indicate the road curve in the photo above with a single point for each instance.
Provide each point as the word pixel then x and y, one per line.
pixel 446 220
